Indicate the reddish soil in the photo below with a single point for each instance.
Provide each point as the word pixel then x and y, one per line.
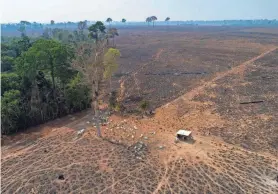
pixel 234 148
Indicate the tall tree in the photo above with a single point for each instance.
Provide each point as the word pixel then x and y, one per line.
pixel 148 20
pixel 153 19
pixel 52 22
pixel 123 20
pixel 81 26
pixel 48 56
pixel 97 31
pixel 109 20
pixel 89 62
pixel 167 20
pixel 22 27
pixel 47 33
pixel 112 32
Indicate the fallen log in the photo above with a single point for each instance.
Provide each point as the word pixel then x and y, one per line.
pixel 252 102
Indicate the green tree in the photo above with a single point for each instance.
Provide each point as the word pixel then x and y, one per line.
pixel 22 30
pixel 77 94
pixel 10 81
pixel 110 64
pixel 7 63
pixel 148 20
pixel 97 31
pixel 10 111
pixel 18 46
pixel 52 22
pixel 109 20
pixel 167 20
pixel 123 20
pixel 22 27
pixel 48 56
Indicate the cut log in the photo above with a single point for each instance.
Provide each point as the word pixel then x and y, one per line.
pixel 257 101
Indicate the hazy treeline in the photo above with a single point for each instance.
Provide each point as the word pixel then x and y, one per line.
pixel 34 27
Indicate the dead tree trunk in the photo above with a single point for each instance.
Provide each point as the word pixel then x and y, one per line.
pixel 96 108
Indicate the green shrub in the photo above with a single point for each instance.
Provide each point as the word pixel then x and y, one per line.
pixel 144 105
pixel 9 81
pixel 10 111
pixel 77 95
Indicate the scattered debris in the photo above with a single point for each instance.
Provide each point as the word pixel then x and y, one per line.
pixel 146 138
pixel 161 147
pixel 150 112
pixel 245 146
pixel 177 73
pixel 139 150
pixel 61 177
pixel 88 122
pixel 80 131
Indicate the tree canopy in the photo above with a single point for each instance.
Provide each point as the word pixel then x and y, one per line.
pixel 109 20
pixel 97 31
pixel 48 56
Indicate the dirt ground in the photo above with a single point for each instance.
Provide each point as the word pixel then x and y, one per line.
pixel 201 79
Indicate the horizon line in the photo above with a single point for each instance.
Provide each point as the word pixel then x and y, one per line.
pixel 217 20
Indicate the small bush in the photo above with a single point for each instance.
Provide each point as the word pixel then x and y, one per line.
pixel 144 105
pixel 119 107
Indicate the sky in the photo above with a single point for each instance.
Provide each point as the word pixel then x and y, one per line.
pixel 135 10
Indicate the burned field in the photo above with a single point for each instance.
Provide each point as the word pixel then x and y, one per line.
pixel 218 82
pixel 249 103
pixel 160 65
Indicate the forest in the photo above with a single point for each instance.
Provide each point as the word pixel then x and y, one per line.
pixel 54 74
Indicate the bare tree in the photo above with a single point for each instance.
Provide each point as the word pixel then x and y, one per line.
pixel 112 32
pixel 89 62
pixel 95 64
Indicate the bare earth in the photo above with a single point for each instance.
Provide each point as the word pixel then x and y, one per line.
pixel 235 147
